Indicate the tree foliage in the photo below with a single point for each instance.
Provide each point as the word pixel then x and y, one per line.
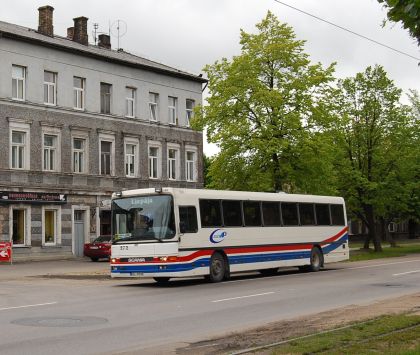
pixel 376 136
pixel 407 12
pixel 264 110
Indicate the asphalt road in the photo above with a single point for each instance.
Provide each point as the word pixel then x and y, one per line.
pixel 90 316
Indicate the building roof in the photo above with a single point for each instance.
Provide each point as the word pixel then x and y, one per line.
pixel 26 34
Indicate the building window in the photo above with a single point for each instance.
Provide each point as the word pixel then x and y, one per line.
pixel 173 163
pixel 50 152
pixel 130 100
pixel 18 150
pixel 79 93
pixel 153 106
pixel 19 227
pixel 18 82
pixel 131 154
pixel 190 165
pixel 106 158
pixel 153 162
pixel 172 108
pixel 189 110
pixel 79 155
pixel 50 88
pixel 106 98
pixel 50 226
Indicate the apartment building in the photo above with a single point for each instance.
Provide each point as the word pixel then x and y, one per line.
pixel 78 122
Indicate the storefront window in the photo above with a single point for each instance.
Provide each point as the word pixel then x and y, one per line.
pixel 50 227
pixel 18 236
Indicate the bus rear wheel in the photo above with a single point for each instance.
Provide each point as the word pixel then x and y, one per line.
pixel 161 280
pixel 217 268
pixel 316 260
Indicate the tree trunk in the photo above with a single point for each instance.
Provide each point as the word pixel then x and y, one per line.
pixel 276 173
pixel 370 217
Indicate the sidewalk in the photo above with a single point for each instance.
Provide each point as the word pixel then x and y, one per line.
pixel 58 267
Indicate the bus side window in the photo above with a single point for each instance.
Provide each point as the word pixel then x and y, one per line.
pixel 210 213
pixel 337 215
pixel 188 219
pixel 322 215
pixel 289 214
pixel 271 214
pixel 252 213
pixel 232 214
pixel 306 213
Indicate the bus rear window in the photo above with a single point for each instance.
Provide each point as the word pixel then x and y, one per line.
pixel 232 216
pixel 210 213
pixel 289 214
pixel 337 215
pixel 252 213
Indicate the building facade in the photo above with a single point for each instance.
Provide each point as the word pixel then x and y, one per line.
pixel 78 122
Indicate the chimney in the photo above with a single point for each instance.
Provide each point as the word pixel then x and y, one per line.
pixel 80 34
pixel 104 41
pixel 45 25
pixel 70 33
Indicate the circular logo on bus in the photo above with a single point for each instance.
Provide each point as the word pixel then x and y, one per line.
pixel 218 235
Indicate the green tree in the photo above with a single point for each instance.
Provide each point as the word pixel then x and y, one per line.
pixel 407 12
pixel 374 134
pixel 265 106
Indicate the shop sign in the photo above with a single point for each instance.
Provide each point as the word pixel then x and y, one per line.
pixel 31 197
pixel 6 252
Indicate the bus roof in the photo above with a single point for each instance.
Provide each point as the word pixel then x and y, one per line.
pixel 184 194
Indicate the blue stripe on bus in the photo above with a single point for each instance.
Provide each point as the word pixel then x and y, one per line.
pixel 234 259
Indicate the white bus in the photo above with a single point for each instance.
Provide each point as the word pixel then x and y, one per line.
pixel 173 232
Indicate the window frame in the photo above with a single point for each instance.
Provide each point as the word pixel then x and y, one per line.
pixel 57 225
pixel 172 110
pixel 105 98
pixel 53 85
pixel 27 218
pixel 18 80
pixel 154 104
pixel 130 101
pixel 157 159
pixel 189 112
pixel 188 178
pixel 109 138
pixel 85 153
pixel 133 142
pixel 79 94
pixel 176 160
pixel 21 127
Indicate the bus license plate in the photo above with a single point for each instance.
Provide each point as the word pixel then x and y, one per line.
pixel 136 274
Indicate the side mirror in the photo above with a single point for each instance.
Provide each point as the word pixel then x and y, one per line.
pixel 182 227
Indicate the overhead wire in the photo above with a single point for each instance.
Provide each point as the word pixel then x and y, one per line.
pixel 347 30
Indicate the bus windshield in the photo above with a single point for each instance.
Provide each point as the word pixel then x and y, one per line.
pixel 143 218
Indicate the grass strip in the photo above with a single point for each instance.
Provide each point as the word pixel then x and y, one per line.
pixel 397 334
pixel 391 252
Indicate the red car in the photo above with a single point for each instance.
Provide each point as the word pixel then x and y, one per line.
pixel 99 248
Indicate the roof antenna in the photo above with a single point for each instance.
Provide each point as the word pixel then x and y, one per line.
pixel 95 32
pixel 118 29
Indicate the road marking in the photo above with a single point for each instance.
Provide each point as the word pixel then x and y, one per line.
pixel 384 264
pixel 406 273
pixel 239 297
pixel 28 305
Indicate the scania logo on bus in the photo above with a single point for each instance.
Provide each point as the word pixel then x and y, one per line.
pixel 217 236
pixel 136 260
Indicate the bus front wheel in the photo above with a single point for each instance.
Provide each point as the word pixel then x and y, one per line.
pixel 217 268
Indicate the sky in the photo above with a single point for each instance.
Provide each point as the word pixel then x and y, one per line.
pixel 188 34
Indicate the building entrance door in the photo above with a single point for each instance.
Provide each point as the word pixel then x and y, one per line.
pixel 79 232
